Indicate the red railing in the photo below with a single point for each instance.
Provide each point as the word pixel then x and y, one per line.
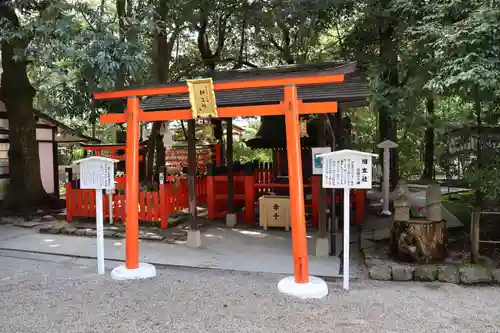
pixel 248 188
pixel 154 206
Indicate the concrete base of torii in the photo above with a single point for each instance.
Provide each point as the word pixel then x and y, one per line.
pixel 144 271
pixel 315 288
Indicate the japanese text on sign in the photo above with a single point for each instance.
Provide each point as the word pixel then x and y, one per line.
pixel 347 170
pixel 202 98
pixel 97 173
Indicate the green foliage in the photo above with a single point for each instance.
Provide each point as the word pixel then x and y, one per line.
pixel 464 37
pixel 244 154
pixel 293 29
pixel 486 179
pixel 447 49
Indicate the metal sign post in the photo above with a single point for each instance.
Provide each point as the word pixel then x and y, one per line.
pixel 347 169
pixel 110 193
pixel 98 173
pixel 100 231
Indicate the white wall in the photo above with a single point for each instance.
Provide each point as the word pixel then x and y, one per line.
pixel 47 165
pixel 44 134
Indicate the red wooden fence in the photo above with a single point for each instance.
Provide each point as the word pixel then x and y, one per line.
pixel 249 187
pixel 154 206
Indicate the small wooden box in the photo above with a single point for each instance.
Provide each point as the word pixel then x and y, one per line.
pixel 274 211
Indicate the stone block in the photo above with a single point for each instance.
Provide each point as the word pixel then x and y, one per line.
pixel 474 274
pixel 370 262
pixel 55 230
pixel 158 238
pixel 375 253
pixel 193 238
pixel 151 236
pixel 231 220
pixel 449 274
pixel 402 272
pixel 47 218
pixel 91 232
pixel 496 275
pixel 381 234
pixel 322 247
pixel 381 273
pixel 433 203
pixel 68 230
pixel 27 224
pixel 80 232
pixel 45 229
pixel 366 243
pixel 109 233
pixel 426 273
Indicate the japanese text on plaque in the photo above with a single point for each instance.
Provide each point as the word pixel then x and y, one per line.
pixel 202 98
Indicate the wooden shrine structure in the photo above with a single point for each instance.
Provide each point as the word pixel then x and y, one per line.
pixel 291 92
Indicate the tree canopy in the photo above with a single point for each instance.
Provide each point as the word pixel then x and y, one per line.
pixel 431 65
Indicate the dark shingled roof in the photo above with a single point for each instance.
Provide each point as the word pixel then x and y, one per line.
pixel 353 91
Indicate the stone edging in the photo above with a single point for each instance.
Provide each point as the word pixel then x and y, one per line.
pixel 90 232
pixel 384 269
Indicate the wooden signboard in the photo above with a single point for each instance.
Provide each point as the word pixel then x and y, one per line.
pixel 202 98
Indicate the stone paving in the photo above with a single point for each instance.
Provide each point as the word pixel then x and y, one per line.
pixel 171 235
pixel 224 248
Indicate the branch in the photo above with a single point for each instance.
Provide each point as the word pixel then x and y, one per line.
pixel 242 38
pixel 88 22
pixel 275 44
pixel 184 129
pixel 173 37
pixel 221 36
pixel 242 62
pixel 343 48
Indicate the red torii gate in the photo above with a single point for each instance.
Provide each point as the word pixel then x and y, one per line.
pixel 291 107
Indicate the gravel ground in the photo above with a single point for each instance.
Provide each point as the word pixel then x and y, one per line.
pixel 60 294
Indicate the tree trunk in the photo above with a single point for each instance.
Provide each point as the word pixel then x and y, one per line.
pixel 163 46
pixel 418 240
pixel 389 82
pixel 25 189
pixel 429 141
pixel 160 155
pixel 151 150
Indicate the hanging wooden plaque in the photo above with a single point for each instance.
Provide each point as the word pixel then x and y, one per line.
pixel 202 98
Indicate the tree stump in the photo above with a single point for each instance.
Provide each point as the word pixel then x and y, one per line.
pixel 418 240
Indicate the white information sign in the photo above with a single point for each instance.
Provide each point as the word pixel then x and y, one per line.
pixel 97 173
pixel 347 169
pixel 317 160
